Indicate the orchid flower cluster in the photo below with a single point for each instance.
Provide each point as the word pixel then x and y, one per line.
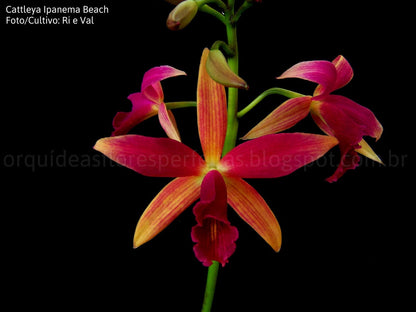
pixel 216 180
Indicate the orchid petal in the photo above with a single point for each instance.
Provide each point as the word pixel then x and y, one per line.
pixel 151 87
pixel 171 201
pixel 155 157
pixel 349 160
pixel 344 71
pixel 283 117
pixel 142 108
pixel 252 208
pixel 211 112
pixel 321 72
pixel 214 236
pixel 347 120
pixel 275 155
pixel 168 122
pixel 368 152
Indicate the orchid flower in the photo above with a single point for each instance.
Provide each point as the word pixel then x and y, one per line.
pixel 336 115
pixel 216 181
pixel 148 103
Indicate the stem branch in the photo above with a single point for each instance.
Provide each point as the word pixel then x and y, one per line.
pixel 257 100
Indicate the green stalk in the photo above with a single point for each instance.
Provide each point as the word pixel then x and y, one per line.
pixel 287 93
pixel 232 121
pixel 174 105
pixel 210 286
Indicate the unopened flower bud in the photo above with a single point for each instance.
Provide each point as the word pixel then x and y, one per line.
pixel 219 71
pixel 182 15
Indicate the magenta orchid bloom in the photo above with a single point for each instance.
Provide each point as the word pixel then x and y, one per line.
pixel 336 115
pixel 217 181
pixel 148 103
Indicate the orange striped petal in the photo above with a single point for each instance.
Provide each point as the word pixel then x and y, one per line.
pixel 282 118
pixel 211 112
pixel 168 122
pixel 171 201
pixel 252 208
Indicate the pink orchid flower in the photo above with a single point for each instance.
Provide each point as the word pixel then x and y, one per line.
pixel 217 181
pixel 336 115
pixel 148 103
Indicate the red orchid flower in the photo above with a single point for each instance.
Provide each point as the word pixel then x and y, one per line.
pixel 217 182
pixel 149 102
pixel 336 115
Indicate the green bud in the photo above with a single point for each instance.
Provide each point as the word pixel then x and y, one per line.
pixel 182 15
pixel 218 69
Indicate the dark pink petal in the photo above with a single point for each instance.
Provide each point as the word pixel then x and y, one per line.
pixel 214 236
pixel 275 155
pixel 344 75
pixel 344 71
pixel 155 157
pixel 349 161
pixel 142 108
pixel 321 72
pixel 151 87
pixel 348 122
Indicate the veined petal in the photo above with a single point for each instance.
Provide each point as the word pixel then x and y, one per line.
pixel 171 201
pixel 151 87
pixel 214 236
pixel 344 75
pixel 252 208
pixel 275 155
pixel 168 122
pixel 155 157
pixel 142 108
pixel 344 71
pixel 321 72
pixel 211 112
pixel 283 117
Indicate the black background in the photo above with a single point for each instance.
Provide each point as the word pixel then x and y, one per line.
pixel 69 214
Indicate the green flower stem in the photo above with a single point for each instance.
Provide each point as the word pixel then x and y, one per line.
pixel 209 10
pixel 219 3
pixel 174 105
pixel 257 100
pixel 245 6
pixel 232 121
pixel 210 286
